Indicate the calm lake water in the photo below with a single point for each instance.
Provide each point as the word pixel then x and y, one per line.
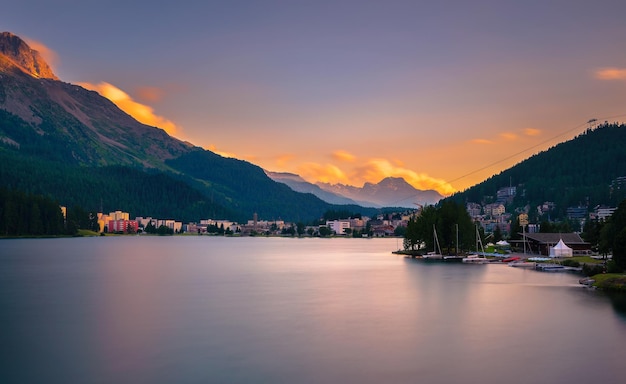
pixel 270 310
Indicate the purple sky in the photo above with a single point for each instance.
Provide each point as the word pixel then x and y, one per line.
pixel 349 91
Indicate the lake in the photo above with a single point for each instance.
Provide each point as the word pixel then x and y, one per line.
pixel 140 309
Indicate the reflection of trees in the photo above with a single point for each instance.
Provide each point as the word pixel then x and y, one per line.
pixel 618 301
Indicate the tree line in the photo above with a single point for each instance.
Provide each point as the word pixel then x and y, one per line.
pixel 609 237
pixel 25 214
pixel 449 221
pixel 578 172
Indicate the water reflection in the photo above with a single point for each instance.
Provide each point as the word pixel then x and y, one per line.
pixel 618 300
pixel 200 309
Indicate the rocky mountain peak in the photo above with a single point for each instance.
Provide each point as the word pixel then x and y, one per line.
pixel 26 58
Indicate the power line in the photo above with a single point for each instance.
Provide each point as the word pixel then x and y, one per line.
pixel 594 120
pixel 532 147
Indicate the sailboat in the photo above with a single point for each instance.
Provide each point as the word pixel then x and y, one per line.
pixel 476 258
pixel 455 257
pixel 523 263
pixel 434 255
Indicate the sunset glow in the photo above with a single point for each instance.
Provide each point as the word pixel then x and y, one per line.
pixel 49 55
pixel 141 112
pixel 611 74
pixel 439 94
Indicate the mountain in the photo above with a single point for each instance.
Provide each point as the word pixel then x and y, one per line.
pixel 63 141
pixel 23 57
pixel 298 184
pixel 69 123
pixel 586 171
pixel 389 192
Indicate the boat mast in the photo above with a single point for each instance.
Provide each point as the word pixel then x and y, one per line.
pixel 476 246
pixel 436 245
pixel 457 238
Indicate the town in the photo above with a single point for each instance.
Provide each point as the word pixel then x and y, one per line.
pixel 492 217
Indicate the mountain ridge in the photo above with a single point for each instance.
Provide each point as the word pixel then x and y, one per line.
pixel 298 184
pixel 51 130
pixel 390 191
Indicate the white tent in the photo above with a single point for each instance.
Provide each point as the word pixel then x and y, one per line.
pixel 560 250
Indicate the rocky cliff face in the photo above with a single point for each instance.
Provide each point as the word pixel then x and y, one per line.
pixel 24 57
pixel 88 127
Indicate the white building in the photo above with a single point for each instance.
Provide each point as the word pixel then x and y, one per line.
pixel 603 213
pixel 338 226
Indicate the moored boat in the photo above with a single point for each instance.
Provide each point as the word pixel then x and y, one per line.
pixel 475 259
pixel 434 255
pixel 550 267
pixel 453 259
pixel 522 264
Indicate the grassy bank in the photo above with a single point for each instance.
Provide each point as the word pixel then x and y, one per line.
pixel 613 282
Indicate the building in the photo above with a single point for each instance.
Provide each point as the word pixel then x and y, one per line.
pixel 603 213
pixel 546 207
pixel 119 215
pixel 358 224
pixel 506 194
pixel 576 213
pixel 383 231
pixel 145 221
pixel 103 221
pixel 540 243
pixel 174 225
pixel 123 225
pixel 473 209
pixel 338 226
pixel 495 209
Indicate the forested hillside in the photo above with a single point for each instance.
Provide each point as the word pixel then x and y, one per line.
pixel 247 188
pixel 74 146
pixel 112 187
pixel 578 172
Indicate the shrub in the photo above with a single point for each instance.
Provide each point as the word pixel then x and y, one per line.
pixel 612 267
pixel 593 269
pixel 570 263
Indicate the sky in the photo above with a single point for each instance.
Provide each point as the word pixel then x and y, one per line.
pixel 444 94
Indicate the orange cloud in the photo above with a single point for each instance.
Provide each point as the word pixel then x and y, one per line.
pixel 142 113
pixel 327 173
pixel 398 162
pixel 377 169
pixel 150 93
pixel 611 74
pixel 48 54
pixel 508 135
pixel 532 131
pixel 283 160
pixel 482 141
pixel 343 156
